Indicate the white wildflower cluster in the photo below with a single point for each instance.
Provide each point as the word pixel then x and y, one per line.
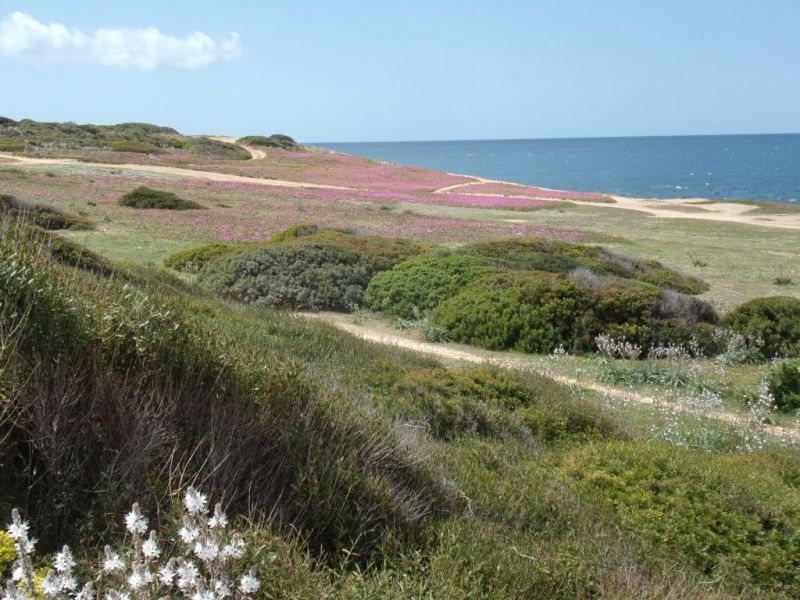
pixel 670 351
pixel 754 430
pixel 735 348
pixel 559 352
pixel 610 348
pixel 204 560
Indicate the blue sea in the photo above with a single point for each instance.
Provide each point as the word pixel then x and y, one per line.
pixel 725 167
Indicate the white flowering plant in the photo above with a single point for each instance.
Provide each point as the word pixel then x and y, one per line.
pixel 204 562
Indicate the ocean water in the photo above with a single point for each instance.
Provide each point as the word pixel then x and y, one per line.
pixel 729 167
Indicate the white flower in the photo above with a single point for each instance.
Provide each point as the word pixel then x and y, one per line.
pixel 17 529
pixel 204 595
pixel 222 588
pixel 87 593
pixel 234 548
pixel 195 501
pixel 166 575
pixel 135 521
pixel 18 573
pixel 188 533
pixel 63 561
pixel 139 577
pixel 150 547
pixel 28 545
pixel 248 584
pixel 51 584
pixel 219 520
pixel 68 582
pixel 112 561
pixel 115 595
pixel 187 575
pixel 206 551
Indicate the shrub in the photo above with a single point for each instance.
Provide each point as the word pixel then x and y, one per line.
pixel 133 146
pixel 733 517
pixel 302 277
pixel 46 217
pixel 417 285
pixel 276 140
pixel 774 320
pixel 784 385
pixel 70 253
pixel 295 231
pixel 540 312
pixel 11 145
pixel 144 197
pixel 194 259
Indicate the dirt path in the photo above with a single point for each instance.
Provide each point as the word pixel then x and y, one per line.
pixel 174 171
pixel 382 335
pixel 730 212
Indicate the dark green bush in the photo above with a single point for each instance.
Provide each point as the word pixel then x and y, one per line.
pixel 295 231
pixel 276 140
pixel 784 385
pixel 11 145
pixel 70 253
pixel 46 217
pixel 300 277
pixel 417 285
pixel 145 197
pixel 191 261
pixel 540 312
pixel 774 320
pixel 734 517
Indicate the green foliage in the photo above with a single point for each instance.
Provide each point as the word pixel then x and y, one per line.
pixel 194 259
pixel 276 140
pixel 42 216
pixel 140 377
pixel 736 518
pixel 784 385
pixel 11 145
pixel 70 253
pixel 647 373
pixel 295 231
pixel 417 285
pixel 133 146
pixel 300 277
pixel 7 554
pixel 774 320
pixel 145 197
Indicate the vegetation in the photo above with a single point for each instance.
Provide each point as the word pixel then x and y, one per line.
pixel 194 259
pixel 276 140
pixel 775 321
pixel 34 136
pixel 42 216
pixel 784 385
pixel 145 197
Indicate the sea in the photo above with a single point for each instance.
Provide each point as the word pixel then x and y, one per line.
pixel 724 167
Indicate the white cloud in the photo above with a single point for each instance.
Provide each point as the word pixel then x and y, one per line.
pixel 22 36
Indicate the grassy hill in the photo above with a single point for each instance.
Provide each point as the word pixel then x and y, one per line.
pixel 358 469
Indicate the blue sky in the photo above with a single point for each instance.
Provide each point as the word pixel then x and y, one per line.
pixel 408 70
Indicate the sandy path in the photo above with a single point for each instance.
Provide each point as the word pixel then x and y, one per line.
pixel 478 356
pixel 729 212
pixel 174 171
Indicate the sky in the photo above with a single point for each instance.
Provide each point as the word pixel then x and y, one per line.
pixel 375 70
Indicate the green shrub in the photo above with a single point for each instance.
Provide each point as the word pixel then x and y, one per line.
pixel 144 197
pixel 376 252
pixel 540 312
pixel 299 277
pixel 733 517
pixel 774 320
pixel 11 145
pixel 133 146
pixel 415 286
pixel 46 217
pixel 276 140
pixel 67 252
pixel 194 259
pixel 7 554
pixel 784 385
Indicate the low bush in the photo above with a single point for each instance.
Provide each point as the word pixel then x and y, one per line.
pixel 46 217
pixel 73 254
pixel 774 320
pixel 784 385
pixel 144 197
pixel 133 146
pixel 276 140
pixel 415 286
pixel 735 517
pixel 538 312
pixel 298 277
pixel 194 259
